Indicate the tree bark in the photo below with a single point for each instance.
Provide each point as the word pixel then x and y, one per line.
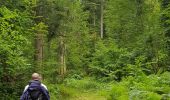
pixel 38 51
pixel 38 37
pixel 101 19
pixel 62 61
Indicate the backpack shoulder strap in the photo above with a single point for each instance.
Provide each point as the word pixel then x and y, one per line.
pixel 34 89
pixel 25 96
pixel 31 86
pixel 46 93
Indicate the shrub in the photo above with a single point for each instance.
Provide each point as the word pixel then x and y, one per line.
pixel 144 95
pixel 119 92
pixel 142 87
pixel 84 84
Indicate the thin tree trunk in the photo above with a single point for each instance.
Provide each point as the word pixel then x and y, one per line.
pixel 38 37
pixel 62 68
pixel 94 19
pixel 49 49
pixel 101 19
pixel 38 51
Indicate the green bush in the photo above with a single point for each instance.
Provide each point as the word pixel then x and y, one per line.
pixel 60 91
pixel 119 92
pixel 144 95
pixel 53 90
pixel 152 87
pixel 84 84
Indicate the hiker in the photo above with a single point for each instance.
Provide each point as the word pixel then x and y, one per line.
pixel 35 90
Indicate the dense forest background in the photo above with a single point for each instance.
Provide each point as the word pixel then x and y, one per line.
pixel 86 49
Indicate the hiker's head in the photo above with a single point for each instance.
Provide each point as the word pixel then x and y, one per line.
pixel 35 76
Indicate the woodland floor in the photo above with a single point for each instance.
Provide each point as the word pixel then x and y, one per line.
pixel 89 96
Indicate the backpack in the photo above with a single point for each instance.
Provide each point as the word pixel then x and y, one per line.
pixel 35 92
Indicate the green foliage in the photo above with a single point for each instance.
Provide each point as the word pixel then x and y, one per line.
pixel 134 43
pixel 14 58
pixel 72 87
pixel 12 41
pixel 83 84
pixel 40 27
pixel 142 87
pixel 119 93
pixel 144 95
pixel 134 50
pixel 153 87
pixel 119 20
pixel 70 23
pixel 112 63
pixel 105 61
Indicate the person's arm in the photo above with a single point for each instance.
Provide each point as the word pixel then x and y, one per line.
pixel 44 86
pixel 26 87
pixel 24 94
pixel 45 90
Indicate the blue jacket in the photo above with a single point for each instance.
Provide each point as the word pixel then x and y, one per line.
pixel 35 84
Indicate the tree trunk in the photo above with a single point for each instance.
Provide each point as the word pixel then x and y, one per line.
pixel 38 51
pixel 94 19
pixel 48 50
pixel 38 37
pixel 101 19
pixel 62 61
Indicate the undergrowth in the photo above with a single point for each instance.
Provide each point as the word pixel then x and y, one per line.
pixel 152 87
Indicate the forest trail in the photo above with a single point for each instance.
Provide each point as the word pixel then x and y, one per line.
pixel 89 96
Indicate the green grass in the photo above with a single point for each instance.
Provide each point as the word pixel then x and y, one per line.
pixel 153 87
pixel 72 89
